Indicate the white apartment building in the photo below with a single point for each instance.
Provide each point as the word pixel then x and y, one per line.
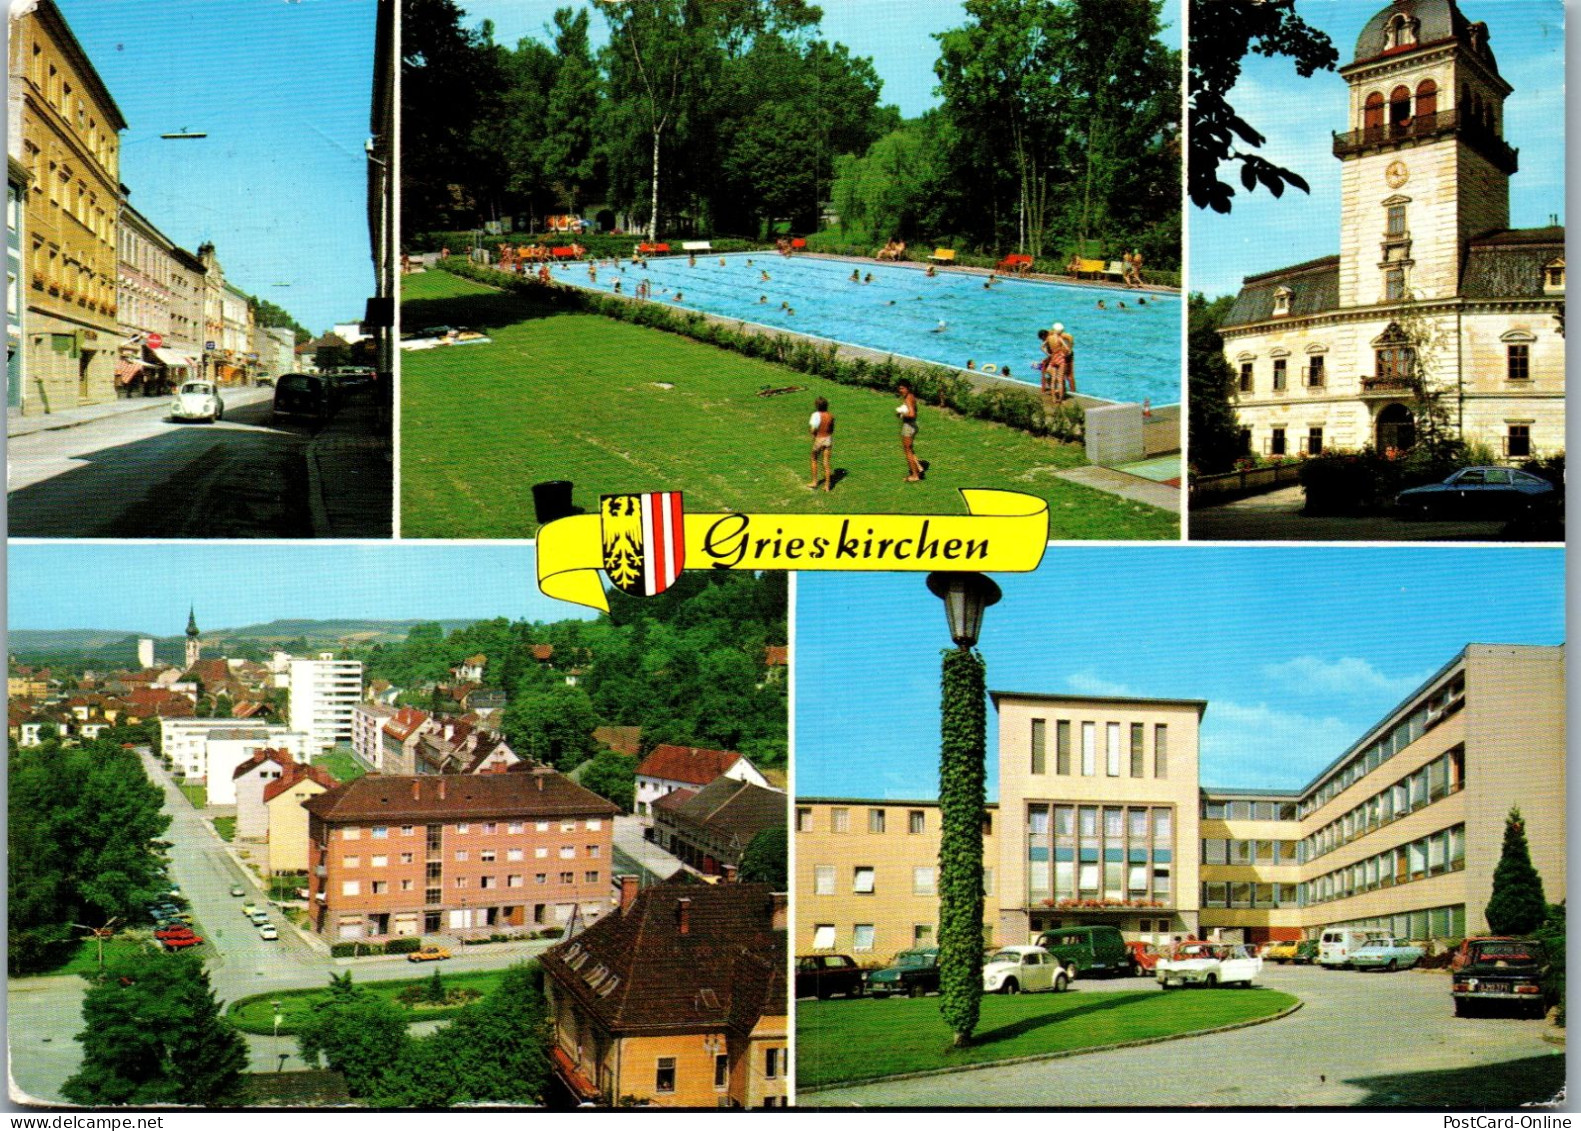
pixel 324 693
pixel 367 733
pixel 209 750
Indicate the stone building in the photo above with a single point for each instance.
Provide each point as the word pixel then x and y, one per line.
pixel 1435 314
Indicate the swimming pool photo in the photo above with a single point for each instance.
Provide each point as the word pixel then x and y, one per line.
pixel 1123 353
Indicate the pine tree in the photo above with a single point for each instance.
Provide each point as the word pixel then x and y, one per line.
pixel 1517 906
pixel 962 805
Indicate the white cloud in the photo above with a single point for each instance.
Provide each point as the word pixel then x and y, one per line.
pixel 1089 683
pixel 1350 676
pixel 1260 747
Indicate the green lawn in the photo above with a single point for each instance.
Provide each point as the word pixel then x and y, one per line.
pixel 256 1014
pixel 844 1041
pixel 341 764
pixel 85 959
pixel 577 396
pixel 195 792
pixel 226 827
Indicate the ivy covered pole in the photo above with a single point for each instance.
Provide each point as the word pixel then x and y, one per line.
pixel 963 742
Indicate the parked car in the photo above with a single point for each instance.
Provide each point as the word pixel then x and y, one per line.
pixel 237 889
pixel 824 975
pixel 429 954
pixel 1477 492
pixel 1505 972
pixel 174 931
pixel 1462 953
pixel 1018 969
pixel 1144 957
pixel 1088 951
pixel 1386 954
pixel 259 917
pixel 1299 951
pixel 304 395
pixel 1337 944
pixel 267 932
pixel 248 908
pixel 197 400
pixel 1208 964
pixel 181 942
pixel 914 973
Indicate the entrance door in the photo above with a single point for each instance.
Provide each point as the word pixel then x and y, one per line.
pixel 1396 429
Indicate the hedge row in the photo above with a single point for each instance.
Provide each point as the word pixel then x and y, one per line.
pixel 1023 409
pixel 598 243
pixel 1366 482
pixel 408 945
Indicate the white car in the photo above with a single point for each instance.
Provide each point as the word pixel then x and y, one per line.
pixel 197 400
pixel 267 932
pixel 1022 969
pixel 1208 964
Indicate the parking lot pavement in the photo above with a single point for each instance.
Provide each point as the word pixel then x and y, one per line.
pixel 1388 1040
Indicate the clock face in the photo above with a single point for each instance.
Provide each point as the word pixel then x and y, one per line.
pixel 1396 174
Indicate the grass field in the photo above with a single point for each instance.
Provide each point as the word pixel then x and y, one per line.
pixel 195 792
pixel 256 1014
pixel 341 764
pixel 578 397
pixel 225 827
pixel 841 1042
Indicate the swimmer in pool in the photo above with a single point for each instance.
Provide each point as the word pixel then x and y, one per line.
pixel 940 328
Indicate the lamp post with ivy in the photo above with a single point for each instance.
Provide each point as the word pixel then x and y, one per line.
pixel 963 742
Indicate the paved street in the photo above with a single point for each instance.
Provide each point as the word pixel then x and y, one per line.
pixel 635 852
pixel 1276 516
pixel 1359 1039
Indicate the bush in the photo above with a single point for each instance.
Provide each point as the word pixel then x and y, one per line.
pixel 403 946
pixel 354 949
pixel 551 932
pixel 600 244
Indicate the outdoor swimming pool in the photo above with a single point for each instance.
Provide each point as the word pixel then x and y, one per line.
pixel 1121 354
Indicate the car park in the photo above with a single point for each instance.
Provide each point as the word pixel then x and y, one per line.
pixel 913 973
pixel 824 975
pixel 267 932
pixel 1337 944
pixel 1023 969
pixel 172 931
pixel 1386 954
pixel 1088 951
pixel 306 395
pixel 197 400
pixel 1502 974
pixel 428 954
pixel 1208 964
pixel 1477 492
pixel 181 942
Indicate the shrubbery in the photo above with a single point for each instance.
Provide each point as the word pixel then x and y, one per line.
pixel 403 945
pixel 355 949
pixel 1023 409
pixel 598 243
pixel 1346 482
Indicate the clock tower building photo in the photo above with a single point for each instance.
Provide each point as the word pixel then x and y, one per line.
pixel 1435 314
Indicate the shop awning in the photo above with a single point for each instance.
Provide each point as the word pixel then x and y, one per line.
pixel 126 369
pixel 172 358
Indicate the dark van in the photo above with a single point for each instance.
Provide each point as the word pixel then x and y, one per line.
pixel 1088 950
pixel 305 395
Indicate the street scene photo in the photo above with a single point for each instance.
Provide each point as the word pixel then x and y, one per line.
pixel 200 318
pixel 789 258
pixel 1377 323
pixel 1141 840
pixel 415 837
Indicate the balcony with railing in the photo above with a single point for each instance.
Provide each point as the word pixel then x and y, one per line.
pixel 1426 127
pixel 1387 385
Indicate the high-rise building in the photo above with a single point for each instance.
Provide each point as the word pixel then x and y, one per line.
pixel 324 693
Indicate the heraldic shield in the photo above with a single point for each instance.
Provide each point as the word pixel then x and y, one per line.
pixel 644 541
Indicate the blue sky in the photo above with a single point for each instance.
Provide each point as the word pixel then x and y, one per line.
pixel 1298 116
pixel 283 91
pixel 147 587
pixel 896 34
pixel 1296 649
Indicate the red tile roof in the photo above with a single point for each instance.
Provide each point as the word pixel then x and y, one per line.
pixel 294 774
pixel 278 757
pixel 690 764
pixel 675 799
pixel 425 797
pixel 774 655
pixel 405 723
pixel 543 652
pixel 621 739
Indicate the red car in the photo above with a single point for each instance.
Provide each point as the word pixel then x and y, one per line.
pixel 181 941
pixel 1144 956
pixel 175 932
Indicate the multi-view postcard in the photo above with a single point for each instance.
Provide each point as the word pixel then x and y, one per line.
pixel 723 555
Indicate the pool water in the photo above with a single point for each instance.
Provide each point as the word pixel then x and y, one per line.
pixel 1121 354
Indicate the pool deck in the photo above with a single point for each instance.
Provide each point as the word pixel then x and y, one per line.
pixel 963 269
pixel 1126 486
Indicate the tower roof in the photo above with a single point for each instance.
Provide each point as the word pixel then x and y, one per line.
pixel 1431 22
pixel 192 621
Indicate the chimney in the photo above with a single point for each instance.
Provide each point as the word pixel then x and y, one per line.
pixel 441 787
pixel 779 916
pixel 416 788
pixel 628 892
pixel 683 909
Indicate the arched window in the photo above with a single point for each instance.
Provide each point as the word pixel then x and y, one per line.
pixel 1372 113
pixel 1401 32
pixel 1400 106
pixel 1426 98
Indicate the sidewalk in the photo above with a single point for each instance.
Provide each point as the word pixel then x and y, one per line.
pixel 350 470
pixel 18 425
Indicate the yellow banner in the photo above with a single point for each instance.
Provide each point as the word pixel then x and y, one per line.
pixel 1003 532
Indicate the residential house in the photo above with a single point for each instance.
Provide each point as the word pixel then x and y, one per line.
pixel 669 767
pixel 710 829
pixel 399 738
pixel 367 732
pixel 248 782
pixel 287 820
pixel 470 670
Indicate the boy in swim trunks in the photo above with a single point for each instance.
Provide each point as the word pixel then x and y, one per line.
pixel 821 424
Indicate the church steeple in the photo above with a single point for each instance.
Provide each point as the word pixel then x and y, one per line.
pixel 192 621
pixel 194 646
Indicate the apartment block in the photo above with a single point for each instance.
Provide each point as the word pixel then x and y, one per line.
pixel 324 693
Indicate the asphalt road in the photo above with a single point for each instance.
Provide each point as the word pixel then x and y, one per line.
pixel 141 475
pixel 1373 1039
pixel 1276 516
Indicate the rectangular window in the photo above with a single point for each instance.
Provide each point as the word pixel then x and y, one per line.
pixel 922 935
pixel 862 937
pixel 1276 442
pixel 407 885
pixel 916 822
pixel 1317 374
pixel 378 861
pixel 380 832
pixel 595 824
pixel 461 881
pixel 568 877
pixel 489 829
pixel 351 861
pixel 922 882
pixel 568 826
pixel 1396 220
pixel 1039 746
pixel 1246 376
pixel 1137 738
pixel 1161 750
pixel 771 1064
pixel 590 877
pixel 1394 284
pixel 513 881
pixel 514 854
pixel 875 820
pixel 407 858
pixel 1518 443
pixel 840 820
pixel 350 887
pixel 823 879
pixel 1280 374
pixel 515 827
pixel 568 852
pixel 823 936
pixel 464 827
pixel 486 856
pixel 1062 747
pixel 664 1076
pixel 350 833
pixel 1314 441
pixel 1215 850
pixel 721 1071
pixel 1520 362
pixel 803 819
pixel 862 880
pixel 538 878
pixel 461 855
pixel 1089 749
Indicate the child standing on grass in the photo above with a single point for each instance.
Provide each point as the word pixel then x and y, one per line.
pixel 906 410
pixel 821 424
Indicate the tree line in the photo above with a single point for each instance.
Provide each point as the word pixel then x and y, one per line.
pixel 1058 125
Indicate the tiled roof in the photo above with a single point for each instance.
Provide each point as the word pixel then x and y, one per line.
pixel 733 811
pixel 449 797
pixel 1509 264
pixel 774 655
pixel 406 721
pixel 209 672
pixel 294 774
pixel 675 799
pixel 543 652
pixel 690 764
pixel 725 972
pixel 278 757
pixel 1314 288
pixel 621 739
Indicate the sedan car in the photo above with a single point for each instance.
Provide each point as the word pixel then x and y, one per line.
pixel 1208 964
pixel 237 889
pixel 1018 969
pixel 304 395
pixel 1303 952
pixel 248 908
pixel 429 954
pixel 914 972
pixel 1386 954
pixel 267 932
pixel 259 917
pixel 181 942
pixel 1503 972
pixel 1144 957
pixel 197 400
pixel 1477 492
pixel 174 931
pixel 824 975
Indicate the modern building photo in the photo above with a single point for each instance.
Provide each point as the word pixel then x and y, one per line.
pixel 1178 762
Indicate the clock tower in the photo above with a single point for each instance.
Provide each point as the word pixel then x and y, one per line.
pixel 1426 167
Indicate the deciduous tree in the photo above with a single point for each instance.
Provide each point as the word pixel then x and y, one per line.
pixel 356 1033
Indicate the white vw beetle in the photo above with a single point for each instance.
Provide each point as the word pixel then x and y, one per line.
pixel 197 400
pixel 1022 969
pixel 1208 964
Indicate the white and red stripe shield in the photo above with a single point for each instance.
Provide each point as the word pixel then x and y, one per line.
pixel 644 541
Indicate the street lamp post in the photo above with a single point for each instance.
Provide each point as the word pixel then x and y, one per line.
pixel 279 1060
pixel 963 739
